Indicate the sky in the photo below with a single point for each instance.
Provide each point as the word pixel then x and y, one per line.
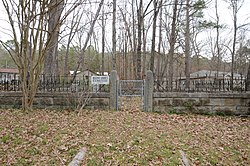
pixel 226 14
pixel 226 18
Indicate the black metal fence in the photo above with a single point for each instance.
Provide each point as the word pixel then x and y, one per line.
pixel 83 84
pixel 57 84
pixel 206 84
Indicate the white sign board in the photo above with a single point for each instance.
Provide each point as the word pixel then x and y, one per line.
pixel 99 80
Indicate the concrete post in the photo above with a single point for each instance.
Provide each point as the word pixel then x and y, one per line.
pixel 148 91
pixel 113 90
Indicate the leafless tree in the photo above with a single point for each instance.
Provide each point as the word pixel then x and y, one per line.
pixel 139 38
pixel 32 38
pixel 74 26
pixel 235 5
pixel 156 11
pixel 172 41
pixel 160 40
pixel 103 38
pixel 187 44
pixel 217 45
pixel 114 36
pixel 83 49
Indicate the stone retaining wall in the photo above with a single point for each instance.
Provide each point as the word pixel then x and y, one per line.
pixel 203 103
pixel 57 100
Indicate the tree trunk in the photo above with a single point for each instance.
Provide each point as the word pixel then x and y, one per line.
pixel 217 37
pixel 134 57
pixel 144 36
pixel 235 10
pixel 103 40
pixel 152 59
pixel 139 38
pixel 55 11
pixel 172 43
pixel 159 43
pixel 235 5
pixel 114 36
pixel 187 46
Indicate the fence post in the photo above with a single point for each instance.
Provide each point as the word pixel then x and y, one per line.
pixel 148 91
pixel 113 90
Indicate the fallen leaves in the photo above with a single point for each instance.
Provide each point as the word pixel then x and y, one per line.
pixel 128 137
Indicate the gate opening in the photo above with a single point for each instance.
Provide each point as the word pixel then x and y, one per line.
pixel 131 95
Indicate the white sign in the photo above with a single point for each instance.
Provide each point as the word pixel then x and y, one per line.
pixel 99 79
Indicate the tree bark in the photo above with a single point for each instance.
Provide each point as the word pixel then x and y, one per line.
pixel 172 43
pixel 139 38
pixel 152 59
pixel 159 42
pixel 114 36
pixel 217 37
pixel 103 40
pixel 187 46
pixel 55 11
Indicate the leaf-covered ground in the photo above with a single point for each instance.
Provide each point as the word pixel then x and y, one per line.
pixel 45 137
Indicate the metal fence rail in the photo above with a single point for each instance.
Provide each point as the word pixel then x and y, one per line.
pixel 201 85
pixel 83 84
pixel 13 85
pixel 57 84
pixel 131 87
pixel 131 92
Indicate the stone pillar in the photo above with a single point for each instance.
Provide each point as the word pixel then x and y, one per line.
pixel 148 91
pixel 113 90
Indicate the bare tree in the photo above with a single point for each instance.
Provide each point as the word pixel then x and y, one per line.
pixel 235 5
pixel 187 44
pixel 31 36
pixel 114 36
pixel 103 38
pixel 134 61
pixel 172 41
pixel 83 49
pixel 74 25
pixel 159 41
pixel 139 38
pixel 217 45
pixel 141 13
pixel 55 10
pixel 129 40
pixel 156 11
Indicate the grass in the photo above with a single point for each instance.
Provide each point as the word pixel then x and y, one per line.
pixel 132 137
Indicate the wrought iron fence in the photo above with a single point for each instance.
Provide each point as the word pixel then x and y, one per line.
pixel 57 84
pixel 83 84
pixel 10 85
pixel 206 84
